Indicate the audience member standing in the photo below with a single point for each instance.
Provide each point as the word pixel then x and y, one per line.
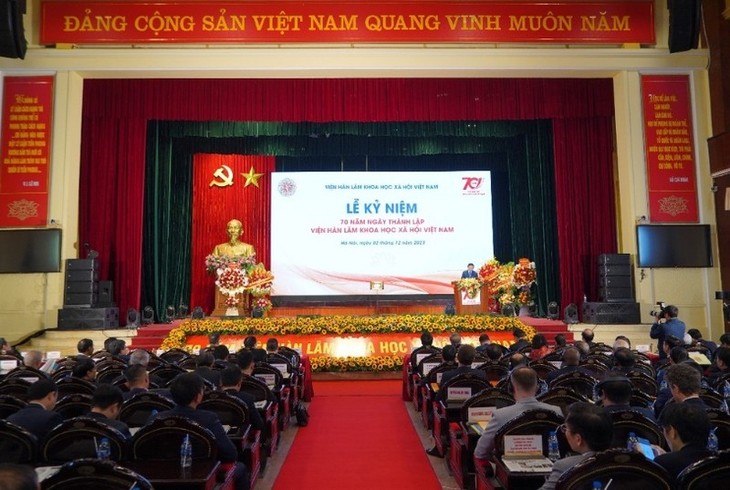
pixel 667 324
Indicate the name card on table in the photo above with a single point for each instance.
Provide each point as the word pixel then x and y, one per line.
pixel 283 368
pixel 699 358
pixel 421 357
pixel 428 366
pixel 438 377
pixel 53 354
pixel 643 348
pixel 523 446
pixel 269 379
pixel 8 365
pixel 480 414
pixel 458 393
pixel 557 364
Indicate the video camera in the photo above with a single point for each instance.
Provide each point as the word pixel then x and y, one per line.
pixel 659 311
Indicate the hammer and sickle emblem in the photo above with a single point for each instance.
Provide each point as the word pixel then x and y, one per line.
pixel 225 176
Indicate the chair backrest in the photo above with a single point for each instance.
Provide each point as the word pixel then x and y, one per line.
pixel 109 374
pixel 646 368
pixel 189 363
pixel 494 370
pixel 719 382
pixel 542 367
pixel 72 386
pixel 17 445
pixel 277 358
pixel 10 404
pixel 26 372
pixel 465 380
pixel 77 438
pixel 489 397
pixel 530 422
pixel 643 382
pixel 435 358
pixel 100 355
pixel 433 374
pixel 626 421
pixel 596 367
pixel 562 396
pixel 554 356
pixel 166 373
pixel 707 474
pixel 174 356
pixel 161 440
pixel 61 373
pixel 136 411
pixel 268 374
pixel 721 421
pixel 231 410
pixel 110 362
pixel 71 406
pixel 294 358
pixel 420 353
pixel 599 347
pixel 626 470
pixel 578 381
pixel 640 399
pixel 92 474
pixel 712 398
pixel 257 389
pixel 600 357
pixel 17 387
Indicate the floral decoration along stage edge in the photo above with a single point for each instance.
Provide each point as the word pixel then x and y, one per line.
pixel 346 326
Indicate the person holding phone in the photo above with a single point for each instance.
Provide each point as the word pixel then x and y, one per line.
pixel 686 427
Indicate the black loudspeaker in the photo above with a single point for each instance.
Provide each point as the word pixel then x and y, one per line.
pixel 88 318
pixel 106 294
pixel 12 35
pixel 614 259
pixel 81 264
pixel 80 300
pixel 615 278
pixel 611 313
pixel 684 24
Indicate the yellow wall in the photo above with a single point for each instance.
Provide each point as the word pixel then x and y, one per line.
pixel 29 302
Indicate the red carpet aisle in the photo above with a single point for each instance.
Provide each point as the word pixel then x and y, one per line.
pixel 359 436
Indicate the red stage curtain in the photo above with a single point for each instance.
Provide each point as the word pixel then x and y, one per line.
pixel 116 112
pixel 214 206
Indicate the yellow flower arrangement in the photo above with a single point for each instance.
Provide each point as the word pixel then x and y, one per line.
pixel 345 325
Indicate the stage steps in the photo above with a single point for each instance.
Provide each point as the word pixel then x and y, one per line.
pixel 66 340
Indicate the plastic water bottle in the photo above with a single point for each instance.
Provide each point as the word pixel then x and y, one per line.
pixel 726 391
pixel 553 449
pixel 597 485
pixel 633 442
pixel 186 453
pixel 103 450
pixel 712 444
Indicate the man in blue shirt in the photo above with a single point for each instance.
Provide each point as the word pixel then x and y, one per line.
pixel 469 273
pixel 667 324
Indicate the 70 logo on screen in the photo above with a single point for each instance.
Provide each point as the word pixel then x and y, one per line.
pixel 472 183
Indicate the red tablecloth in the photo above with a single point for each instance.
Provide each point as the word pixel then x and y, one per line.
pixel 406 362
pixel 308 388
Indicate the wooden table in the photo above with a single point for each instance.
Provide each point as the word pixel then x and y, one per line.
pixel 168 474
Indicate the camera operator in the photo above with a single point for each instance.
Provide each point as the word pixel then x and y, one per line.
pixel 666 324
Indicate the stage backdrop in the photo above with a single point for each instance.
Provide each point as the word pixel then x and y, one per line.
pixel 119 115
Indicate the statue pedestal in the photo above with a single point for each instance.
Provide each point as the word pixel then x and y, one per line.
pixel 243 308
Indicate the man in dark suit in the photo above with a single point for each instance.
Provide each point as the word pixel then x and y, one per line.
pixel 38 417
pixel 187 391
pixel 138 380
pixel 249 343
pixel 465 357
pixel 615 393
pixel 686 428
pixel 106 404
pixel 587 429
pixel 571 363
pixel 205 369
pixel 469 273
pixel 520 340
pixel 231 378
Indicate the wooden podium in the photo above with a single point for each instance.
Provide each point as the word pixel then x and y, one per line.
pixel 221 309
pixel 468 306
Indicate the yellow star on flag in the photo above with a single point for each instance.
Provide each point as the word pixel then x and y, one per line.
pixel 251 178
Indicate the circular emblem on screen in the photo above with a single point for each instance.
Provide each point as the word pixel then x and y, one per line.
pixel 287 187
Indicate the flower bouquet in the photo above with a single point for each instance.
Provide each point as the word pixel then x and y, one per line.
pixel 470 287
pixel 524 276
pixel 215 262
pixel 231 281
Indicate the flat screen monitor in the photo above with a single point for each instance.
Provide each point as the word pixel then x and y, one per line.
pixel 674 246
pixel 24 251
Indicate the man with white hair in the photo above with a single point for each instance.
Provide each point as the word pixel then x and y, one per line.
pixel 33 358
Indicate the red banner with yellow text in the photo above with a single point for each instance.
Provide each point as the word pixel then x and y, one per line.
pixel 355 346
pixel 670 160
pixel 330 21
pixel 26 142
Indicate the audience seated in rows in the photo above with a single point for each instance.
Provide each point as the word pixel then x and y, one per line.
pixel 587 336
pixel 106 403
pixel 231 378
pixel 484 343
pixel 539 346
pixel 249 343
pixel 684 383
pixel 614 392
pixel 137 380
pixel 587 429
pixel 38 416
pixel 204 369
pixel 465 357
pixel 520 340
pixel 571 363
pixel 524 386
pixel 697 340
pixel 686 427
pixel 85 348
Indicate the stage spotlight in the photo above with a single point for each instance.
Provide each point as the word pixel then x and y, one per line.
pixel 182 310
pixel 553 310
pixel 169 314
pixel 570 315
pixel 148 315
pixel 198 313
pixel 449 310
pixel 508 309
pixel 257 312
pixel 132 318
pixel 532 310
